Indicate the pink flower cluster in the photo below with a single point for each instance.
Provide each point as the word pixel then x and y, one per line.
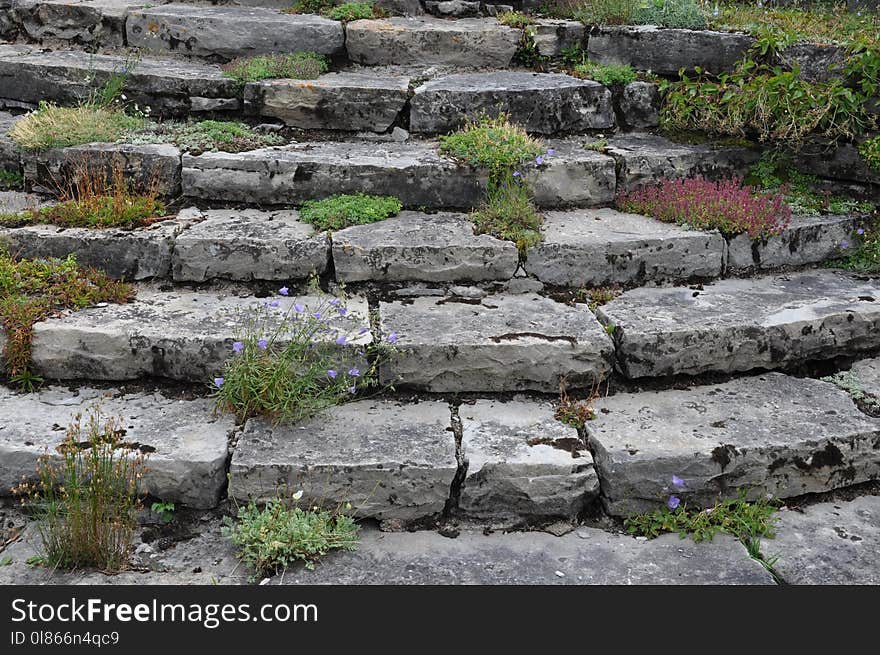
pixel 727 205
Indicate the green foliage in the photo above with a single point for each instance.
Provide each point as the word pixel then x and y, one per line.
pixel 608 75
pixel 870 150
pixel 745 520
pixel 165 511
pixel 495 144
pixel 51 126
pixel 297 66
pixel 11 180
pixel 509 213
pixel 663 13
pixel 599 145
pixel 338 212
pixel 574 413
pixel 350 11
pixel 852 384
pixel 271 539
pixel 598 296
pixel 197 137
pixel 516 19
pixel 86 504
pixel 309 7
pixel 605 12
pixel 866 256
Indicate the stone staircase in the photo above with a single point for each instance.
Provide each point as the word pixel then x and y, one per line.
pixel 682 358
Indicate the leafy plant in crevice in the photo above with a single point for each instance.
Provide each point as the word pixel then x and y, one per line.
pixel 573 412
pixel 598 296
pixel 298 66
pixel 870 151
pixel 338 212
pixel 853 385
pixel 197 137
pixel 11 180
pixel 515 19
pixel 865 256
pixel 345 12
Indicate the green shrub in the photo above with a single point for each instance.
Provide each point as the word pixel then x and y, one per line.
pixel 853 385
pixel 870 150
pixel 86 504
pixel 608 75
pixel 297 66
pixel 51 126
pixel 509 213
pixel 271 539
pixel 350 11
pixel 515 19
pixel 338 212
pixel 197 137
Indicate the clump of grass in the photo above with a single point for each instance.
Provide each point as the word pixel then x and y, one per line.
pixel 599 145
pixel 31 290
pixel 86 504
pixel 281 533
pixel 197 137
pixel 338 212
pixel 509 213
pixel 609 75
pixel 599 296
pixel 516 19
pixel 350 11
pixel 298 66
pixel 493 143
pixel 51 126
pixel 574 413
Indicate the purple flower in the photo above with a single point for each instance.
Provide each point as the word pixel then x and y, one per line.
pixel 516 173
pixel 317 315
pixel 550 152
pixel 392 338
pixel 331 374
pixel 363 330
pixel 352 389
pixel 218 382
pixel 678 482
pixel 673 502
pixel 354 373
pixel 539 160
pixel 342 311
pixel 237 346
pixel 861 230
pixel 341 340
pixel 275 303
pixel 283 291
pixel 262 344
pixel 844 244
pixel 299 308
pixel 334 302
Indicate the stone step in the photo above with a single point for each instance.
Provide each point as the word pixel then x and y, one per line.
pixel 87 22
pixel 743 324
pixel 497 343
pixel 771 435
pixel 185 441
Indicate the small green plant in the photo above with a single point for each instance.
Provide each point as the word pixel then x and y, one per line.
pixel 309 7
pixel 298 66
pixel 338 212
pixel 599 145
pixel 870 150
pixel 598 296
pixel 495 144
pixel 350 11
pixel 610 329
pixel 852 384
pixel 609 75
pixel 86 504
pixel 575 413
pixel 509 213
pixel 281 533
pixel 11 180
pixel 6 561
pixel 165 511
pixel 516 19
pixel 605 12
pixel 51 126
pixel 865 258
pixel 197 137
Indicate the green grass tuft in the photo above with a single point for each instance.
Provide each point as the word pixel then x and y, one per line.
pixel 608 75
pixel 338 212
pixel 51 126
pixel 297 66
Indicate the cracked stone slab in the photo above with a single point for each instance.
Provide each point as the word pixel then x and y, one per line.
pixel 185 441
pixel 807 240
pixel 572 175
pixel 230 32
pixel 586 556
pixel 181 335
pixel 497 343
pixel 349 101
pixel 665 51
pixel 421 247
pixel 522 463
pixel 744 324
pixel 92 22
pixel 773 434
pixel 546 103
pixel 468 42
pixel 391 461
pixel 169 87
pixel 867 371
pixel 248 244
pixel 828 543
pixel 603 246
pixel 647 158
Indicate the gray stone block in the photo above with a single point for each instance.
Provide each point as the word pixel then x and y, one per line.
pixel 602 246
pixel 744 324
pixel 248 244
pixel 552 36
pixel 572 175
pixel 91 22
pixel 522 463
pixel 770 435
pixel 816 62
pixel 421 247
pixel 229 32
pixel 186 441
pixel 10 155
pixel 389 460
pixel 867 372
pixel 499 343
pixel 546 103
pixel 639 105
pixel 838 162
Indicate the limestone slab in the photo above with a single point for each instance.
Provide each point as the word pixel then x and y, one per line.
pixel 773 434
pixel 92 22
pixel 389 460
pixel 639 105
pixel 744 324
pixel 572 176
pixel 867 371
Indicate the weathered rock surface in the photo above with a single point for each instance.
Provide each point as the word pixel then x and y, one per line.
pixel 10 155
pixel 181 335
pixel 841 162
pixel 523 463
pixel 552 36
pixel 639 105
pixel 807 240
pixel 468 42
pixel 665 51
pixel 572 175
pixel 829 543
pixel 169 87
pixel 867 372
pixel 744 324
pixel 546 103
pixel 230 32
pixel 389 460
pixel 184 440
pixel 248 244
pixel 772 434
pixel 337 101
pixel 92 22
pixel 498 343
pixel 602 246
pixel 16 201
pixel 421 247
pixel 816 62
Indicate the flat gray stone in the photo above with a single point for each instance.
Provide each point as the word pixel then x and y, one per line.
pixel 169 87
pixel 647 158
pixel 421 247
pixel 181 335
pixel 597 247
pixel 349 101
pixel 522 463
pixel 807 240
pixel 389 460
pixel 639 105
pixel 498 343
pixel 665 51
pixel 572 175
pixel 744 324
pixel 186 442
pixel 546 103
pixel 230 32
pixel 829 543
pixel 468 42
pixel 770 435
pixel 91 22
pixel 587 556
pixel 867 372
pixel 553 36
pixel 248 244
pixel 456 8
